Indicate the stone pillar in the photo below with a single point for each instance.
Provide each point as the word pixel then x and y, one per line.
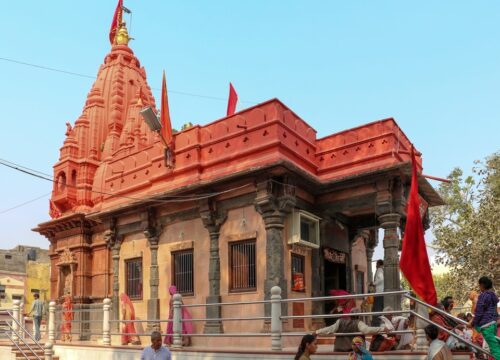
pixel 276 326
pixel 213 220
pixel 115 253
pixel 369 259
pixel 154 281
pixel 47 351
pixel 273 201
pixel 421 341
pixel 106 337
pixel 114 243
pixel 177 325
pixel 52 322
pixel 390 224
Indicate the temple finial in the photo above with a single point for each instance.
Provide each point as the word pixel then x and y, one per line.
pixel 122 37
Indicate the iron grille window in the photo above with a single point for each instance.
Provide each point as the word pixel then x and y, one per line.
pixel 182 271
pixel 242 266
pixel 133 276
pixel 298 272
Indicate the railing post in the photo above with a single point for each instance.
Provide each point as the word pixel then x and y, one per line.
pixel 52 322
pixel 48 352
pixel 421 339
pixel 276 326
pixel 15 315
pixel 106 337
pixel 177 326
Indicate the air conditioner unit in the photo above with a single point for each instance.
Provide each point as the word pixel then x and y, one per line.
pixel 303 228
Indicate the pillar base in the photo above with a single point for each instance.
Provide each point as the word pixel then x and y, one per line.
pixel 153 314
pixel 213 312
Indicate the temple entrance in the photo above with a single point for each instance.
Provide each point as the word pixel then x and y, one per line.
pixel 335 277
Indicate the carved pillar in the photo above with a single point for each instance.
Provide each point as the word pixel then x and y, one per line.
pixel 371 244
pixel 390 224
pixel 273 201
pixel 212 220
pixel 114 242
pixel 154 280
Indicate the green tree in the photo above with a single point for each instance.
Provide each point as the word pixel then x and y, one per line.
pixel 467 228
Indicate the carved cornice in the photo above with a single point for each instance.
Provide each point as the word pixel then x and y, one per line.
pixel 66 226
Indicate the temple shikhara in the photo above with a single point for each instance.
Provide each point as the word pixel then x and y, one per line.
pixel 224 211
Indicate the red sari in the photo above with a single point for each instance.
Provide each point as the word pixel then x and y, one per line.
pixel 128 328
pixel 67 317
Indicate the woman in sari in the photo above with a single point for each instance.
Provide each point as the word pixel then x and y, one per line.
pixel 187 327
pixel 129 334
pixel 67 317
pixel 358 350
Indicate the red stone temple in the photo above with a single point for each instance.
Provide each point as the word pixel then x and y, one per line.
pixel 253 200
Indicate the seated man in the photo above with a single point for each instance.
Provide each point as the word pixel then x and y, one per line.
pixel 398 323
pixel 348 325
pixel 437 348
pixel 155 351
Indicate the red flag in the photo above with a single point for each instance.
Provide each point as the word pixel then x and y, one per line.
pixel 233 99
pixel 53 210
pixel 117 21
pixel 166 125
pixel 414 262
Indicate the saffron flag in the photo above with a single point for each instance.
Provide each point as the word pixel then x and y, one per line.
pixel 117 21
pixel 233 99
pixel 414 262
pixel 53 210
pixel 166 126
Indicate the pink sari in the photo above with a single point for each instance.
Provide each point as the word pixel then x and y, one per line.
pixel 187 327
pixel 128 328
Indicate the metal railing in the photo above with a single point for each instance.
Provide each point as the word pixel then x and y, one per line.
pixel 20 336
pixel 275 320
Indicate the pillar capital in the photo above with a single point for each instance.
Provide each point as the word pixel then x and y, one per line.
pixel 390 220
pixel 273 201
pixel 212 216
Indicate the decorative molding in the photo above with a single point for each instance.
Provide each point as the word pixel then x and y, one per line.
pixel 241 236
pixel 66 258
pixel 181 245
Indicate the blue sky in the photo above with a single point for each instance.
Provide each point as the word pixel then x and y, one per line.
pixel 432 65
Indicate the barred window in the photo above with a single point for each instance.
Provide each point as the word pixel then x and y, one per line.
pixel 182 271
pixel 298 275
pixel 242 266
pixel 133 275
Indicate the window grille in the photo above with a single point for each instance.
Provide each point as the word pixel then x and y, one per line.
pixel 182 271
pixel 133 275
pixel 242 266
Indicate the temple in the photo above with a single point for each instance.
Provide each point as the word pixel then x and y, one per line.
pixel 252 200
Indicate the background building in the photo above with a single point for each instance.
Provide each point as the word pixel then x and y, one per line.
pixel 24 270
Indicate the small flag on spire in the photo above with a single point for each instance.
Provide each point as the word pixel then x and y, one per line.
pixel 233 99
pixel 166 125
pixel 117 21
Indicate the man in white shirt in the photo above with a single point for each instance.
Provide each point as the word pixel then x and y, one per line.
pixel 378 281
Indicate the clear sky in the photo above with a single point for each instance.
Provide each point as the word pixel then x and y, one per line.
pixel 432 65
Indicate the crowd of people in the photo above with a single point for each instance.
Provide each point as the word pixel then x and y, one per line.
pixel 480 326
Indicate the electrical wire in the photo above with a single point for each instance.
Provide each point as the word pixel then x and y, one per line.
pixel 48 68
pixel 171 198
pixel 25 203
